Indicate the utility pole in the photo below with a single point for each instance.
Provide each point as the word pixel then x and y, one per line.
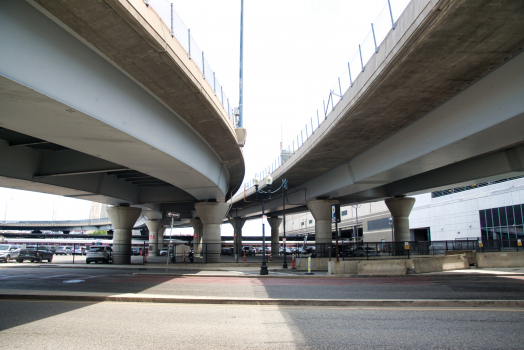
pixel 241 80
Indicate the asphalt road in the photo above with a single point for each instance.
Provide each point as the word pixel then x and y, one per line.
pixel 66 325
pixel 118 281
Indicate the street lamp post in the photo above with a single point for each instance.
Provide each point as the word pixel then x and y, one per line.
pixel 284 188
pixel 262 197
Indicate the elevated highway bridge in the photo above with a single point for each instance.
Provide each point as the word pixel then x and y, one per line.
pixel 99 102
pixel 438 106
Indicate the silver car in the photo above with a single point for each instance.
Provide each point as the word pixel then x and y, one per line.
pixel 8 252
pixel 99 253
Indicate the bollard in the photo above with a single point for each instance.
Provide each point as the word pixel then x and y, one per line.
pixel 184 258
pixel 271 256
pixel 293 262
pixel 309 267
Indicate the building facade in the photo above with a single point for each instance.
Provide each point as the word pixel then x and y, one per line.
pixel 493 210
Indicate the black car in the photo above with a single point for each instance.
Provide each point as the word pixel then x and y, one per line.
pixel 227 251
pixel 136 251
pixel 35 255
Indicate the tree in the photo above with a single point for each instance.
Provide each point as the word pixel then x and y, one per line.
pixel 99 232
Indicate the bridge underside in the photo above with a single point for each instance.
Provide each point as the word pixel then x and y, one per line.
pixel 74 123
pixel 439 106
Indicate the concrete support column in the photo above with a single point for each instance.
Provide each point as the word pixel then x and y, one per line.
pixel 400 207
pixel 321 210
pixel 161 231
pixel 197 231
pixel 275 233
pixel 123 219
pixel 211 214
pixel 153 226
pixel 237 224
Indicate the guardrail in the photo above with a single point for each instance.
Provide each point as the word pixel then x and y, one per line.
pixel 385 22
pixel 182 33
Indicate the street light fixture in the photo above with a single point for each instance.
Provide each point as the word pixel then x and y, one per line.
pixel 263 196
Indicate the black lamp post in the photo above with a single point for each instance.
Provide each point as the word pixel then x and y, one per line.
pixel 262 197
pixel 284 188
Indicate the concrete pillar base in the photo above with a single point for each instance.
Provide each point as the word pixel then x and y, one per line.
pixel 321 210
pixel 153 226
pixel 161 231
pixel 237 224
pixel 400 208
pixel 122 219
pixel 211 214
pixel 275 234
pixel 197 231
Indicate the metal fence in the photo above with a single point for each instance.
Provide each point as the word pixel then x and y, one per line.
pixel 379 29
pixel 178 30
pixel 180 253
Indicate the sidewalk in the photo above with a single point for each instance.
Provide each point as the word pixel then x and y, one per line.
pixel 7 294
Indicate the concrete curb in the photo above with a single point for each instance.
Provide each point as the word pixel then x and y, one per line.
pixel 276 302
pixel 160 271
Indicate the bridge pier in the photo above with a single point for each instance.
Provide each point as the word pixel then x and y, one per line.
pixel 123 219
pixel 237 224
pixel 321 210
pixel 197 231
pixel 275 234
pixel 153 226
pixel 161 231
pixel 400 207
pixel 211 214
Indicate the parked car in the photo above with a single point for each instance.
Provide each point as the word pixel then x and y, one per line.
pixel 35 255
pixel 248 251
pixel 63 251
pixel 80 251
pixel 99 253
pixel 163 251
pixel 227 251
pixel 136 251
pixel 311 249
pixel 8 251
pixel 363 251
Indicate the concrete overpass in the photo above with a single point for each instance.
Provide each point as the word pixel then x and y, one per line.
pixel 438 106
pixel 64 226
pixel 99 102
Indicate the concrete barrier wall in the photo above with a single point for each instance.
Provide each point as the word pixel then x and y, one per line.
pixel 471 255
pixel 500 259
pixel 382 267
pixel 317 264
pixel 343 267
pixel 444 263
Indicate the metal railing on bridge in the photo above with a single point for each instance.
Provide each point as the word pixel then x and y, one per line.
pixel 178 30
pixel 379 29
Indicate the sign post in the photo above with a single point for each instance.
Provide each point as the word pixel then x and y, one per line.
pixel 171 215
pixel 335 218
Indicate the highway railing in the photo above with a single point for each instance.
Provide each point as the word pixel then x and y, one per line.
pixel 178 30
pixel 379 29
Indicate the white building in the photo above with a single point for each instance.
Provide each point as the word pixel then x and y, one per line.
pixel 489 211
